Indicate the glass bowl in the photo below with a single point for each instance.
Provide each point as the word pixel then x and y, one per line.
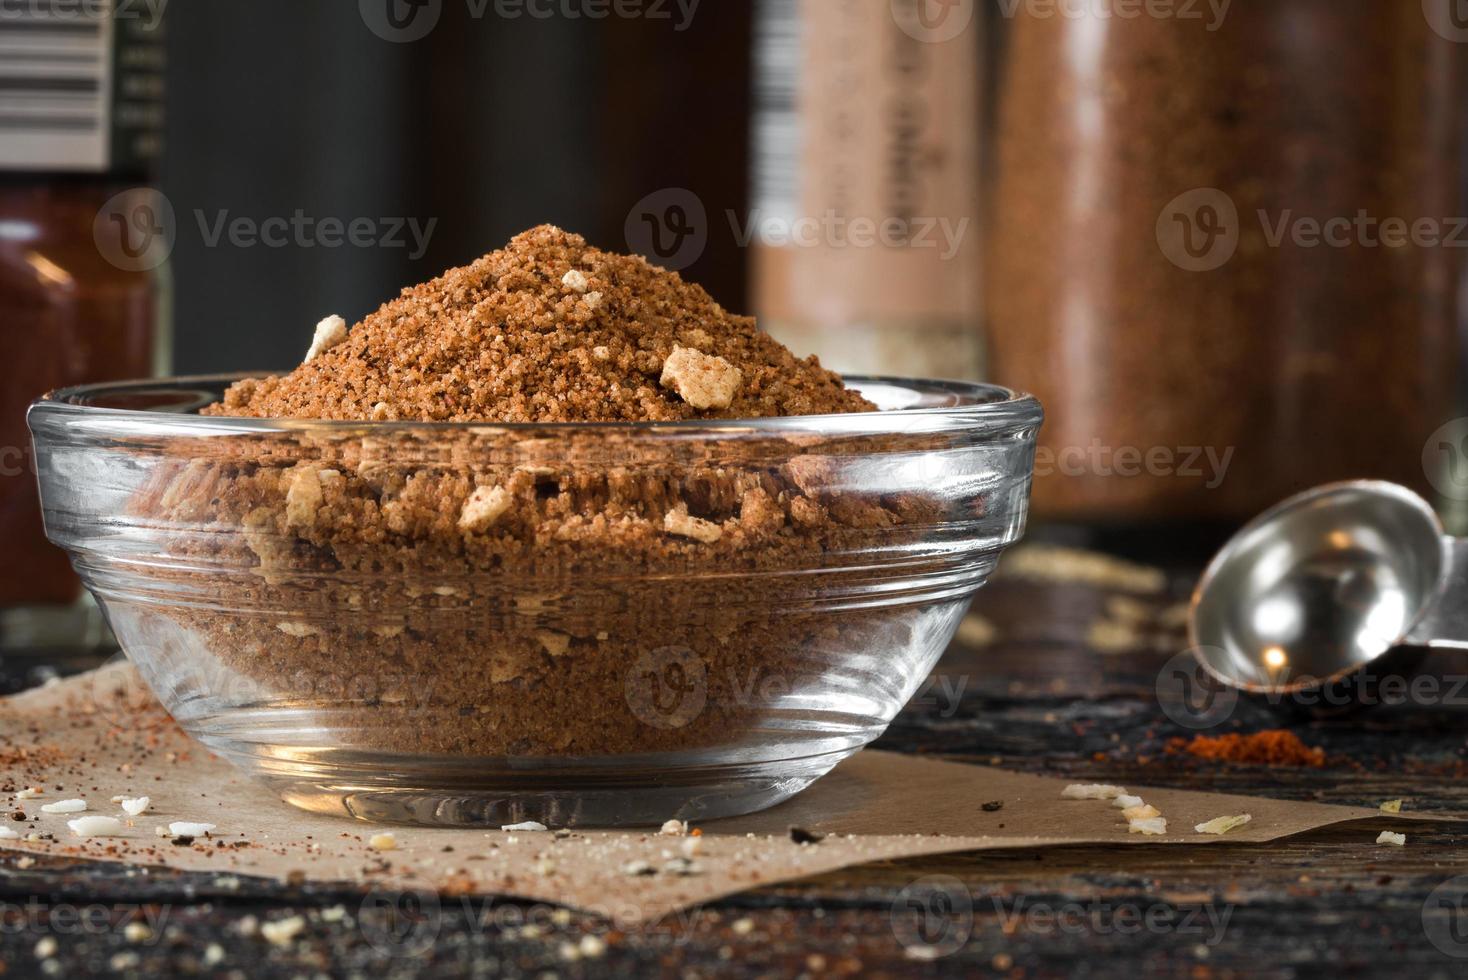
pixel 595 624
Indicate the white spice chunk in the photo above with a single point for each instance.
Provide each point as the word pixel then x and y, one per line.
pixel 555 644
pixel 298 629
pixel 1092 791
pixel 702 380
pixel 1144 812
pixel 133 807
pixel 592 300
pixel 186 828
pixel 95 826
pixel 674 828
pixel 1395 840
pixel 383 842
pixel 304 497
pixel 601 353
pixel 1151 827
pixel 7 834
pixel 1222 825
pixel 65 806
pixel 576 280
pixel 484 506
pixel 1125 802
pixel 678 521
pixel 329 332
pixel 281 932
pixel 29 793
pixel 682 867
pixel 528 826
pixel 137 932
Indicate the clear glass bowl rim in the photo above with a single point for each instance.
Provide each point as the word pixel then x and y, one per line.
pixel 977 407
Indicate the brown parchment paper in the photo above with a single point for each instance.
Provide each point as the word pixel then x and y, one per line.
pixel 76 739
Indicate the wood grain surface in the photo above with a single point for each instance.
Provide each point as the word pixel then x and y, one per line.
pixel 1056 672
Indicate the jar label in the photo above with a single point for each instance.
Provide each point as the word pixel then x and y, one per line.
pixel 82 86
pixel 865 182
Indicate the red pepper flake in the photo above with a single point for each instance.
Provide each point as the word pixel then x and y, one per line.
pixel 1273 747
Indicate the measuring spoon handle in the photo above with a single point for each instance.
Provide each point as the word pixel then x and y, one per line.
pixel 1445 624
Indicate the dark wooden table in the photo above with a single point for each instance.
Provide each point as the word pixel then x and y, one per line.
pixel 1057 675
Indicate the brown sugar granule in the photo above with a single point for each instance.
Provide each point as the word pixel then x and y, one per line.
pixel 548 329
pixel 1274 747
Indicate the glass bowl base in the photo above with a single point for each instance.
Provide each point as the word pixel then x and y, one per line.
pixel 497 797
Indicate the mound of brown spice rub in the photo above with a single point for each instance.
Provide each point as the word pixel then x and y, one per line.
pixel 547 329
pixel 494 592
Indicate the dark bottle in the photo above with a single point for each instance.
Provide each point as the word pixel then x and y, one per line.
pixel 83 241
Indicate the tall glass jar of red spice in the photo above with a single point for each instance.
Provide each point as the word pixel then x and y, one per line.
pixel 1226 248
pixel 83 243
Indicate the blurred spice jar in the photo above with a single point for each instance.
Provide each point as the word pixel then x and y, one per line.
pixel 1221 249
pixel 83 284
pixel 71 317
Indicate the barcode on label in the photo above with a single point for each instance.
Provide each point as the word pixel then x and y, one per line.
pixel 776 131
pixel 55 78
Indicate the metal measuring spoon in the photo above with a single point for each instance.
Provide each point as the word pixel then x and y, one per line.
pixel 1333 581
